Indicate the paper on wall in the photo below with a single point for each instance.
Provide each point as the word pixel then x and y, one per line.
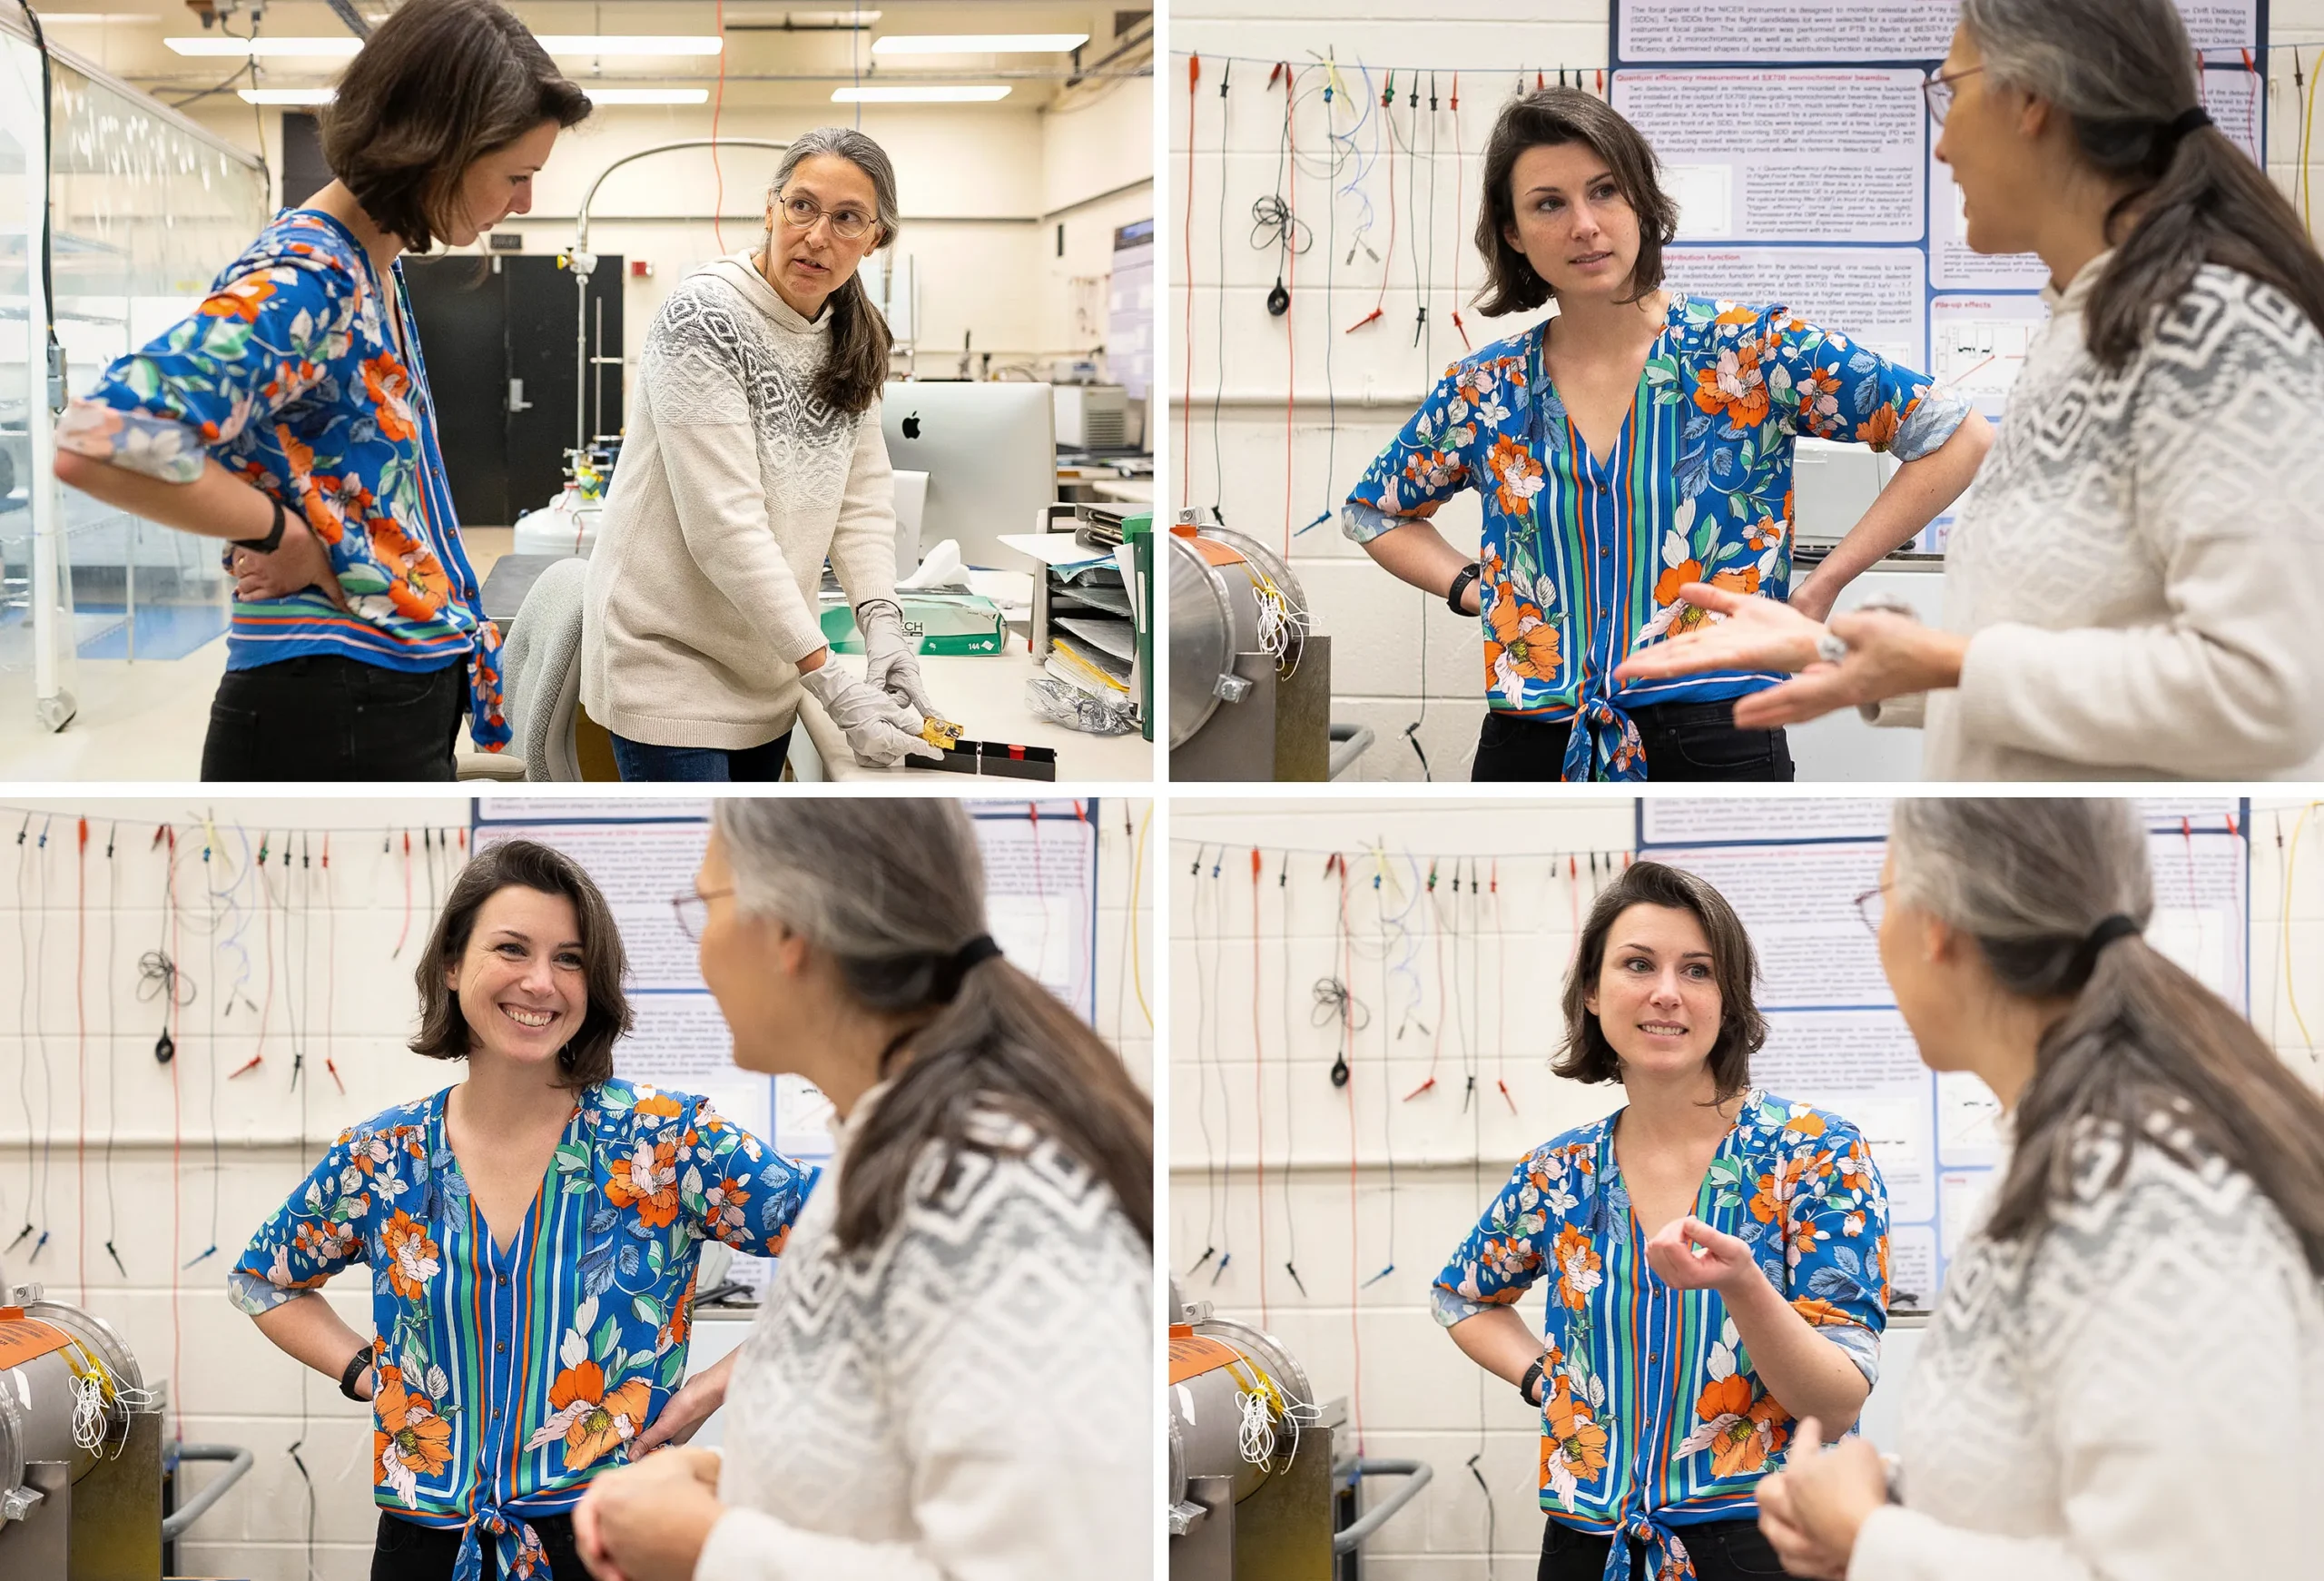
pixel 1873 295
pixel 1838 160
pixel 1850 30
pixel 638 866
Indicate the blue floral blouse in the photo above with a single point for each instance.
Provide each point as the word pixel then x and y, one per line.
pixel 1583 559
pixel 507 1380
pixel 1655 1420
pixel 289 375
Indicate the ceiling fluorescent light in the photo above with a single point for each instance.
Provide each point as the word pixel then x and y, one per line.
pixel 243 48
pixel 571 44
pixel 646 95
pixel 286 96
pixel 919 95
pixel 979 44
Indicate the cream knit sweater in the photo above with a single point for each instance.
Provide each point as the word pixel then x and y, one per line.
pixel 2140 565
pixel 2134 1395
pixel 734 484
pixel 971 1400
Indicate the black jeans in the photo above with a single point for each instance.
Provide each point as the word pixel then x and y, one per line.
pixel 1721 1550
pixel 327 716
pixel 408 1551
pixel 1683 741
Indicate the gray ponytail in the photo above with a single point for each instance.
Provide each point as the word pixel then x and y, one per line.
pixel 893 888
pixel 858 364
pixel 2029 879
pixel 2122 71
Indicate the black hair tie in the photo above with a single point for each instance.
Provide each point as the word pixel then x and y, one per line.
pixel 2187 120
pixel 2085 957
pixel 958 964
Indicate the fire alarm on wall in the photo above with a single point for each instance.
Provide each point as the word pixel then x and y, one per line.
pixel 641 269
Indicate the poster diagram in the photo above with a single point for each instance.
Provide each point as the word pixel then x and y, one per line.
pixel 1844 213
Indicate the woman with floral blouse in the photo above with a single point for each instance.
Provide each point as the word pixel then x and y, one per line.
pixel 531 1235
pixel 1718 1256
pixel 1638 442
pixel 289 416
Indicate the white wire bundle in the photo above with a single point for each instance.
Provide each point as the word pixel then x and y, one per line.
pixel 89 1422
pixel 1282 628
pixel 1256 1439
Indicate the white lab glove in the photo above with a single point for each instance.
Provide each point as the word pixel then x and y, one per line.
pixel 892 656
pixel 877 731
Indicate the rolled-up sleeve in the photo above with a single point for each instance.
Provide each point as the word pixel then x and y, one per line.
pixel 1851 394
pixel 741 1192
pixel 1421 469
pixel 1505 1254
pixel 254 345
pixel 317 1231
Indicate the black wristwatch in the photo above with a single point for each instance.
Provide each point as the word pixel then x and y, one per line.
pixel 363 1356
pixel 272 541
pixel 1534 1374
pixel 1461 580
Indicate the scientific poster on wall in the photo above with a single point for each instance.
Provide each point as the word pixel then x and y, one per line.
pixel 1835 203
pixel 1793 870
pixel 1040 901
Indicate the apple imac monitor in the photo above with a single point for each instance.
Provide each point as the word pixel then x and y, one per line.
pixel 989 451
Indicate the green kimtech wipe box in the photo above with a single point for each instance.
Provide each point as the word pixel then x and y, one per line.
pixel 945 623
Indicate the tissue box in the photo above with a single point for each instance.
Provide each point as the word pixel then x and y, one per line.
pixel 948 624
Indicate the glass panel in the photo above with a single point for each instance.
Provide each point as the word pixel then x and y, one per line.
pixel 19 67
pixel 146 212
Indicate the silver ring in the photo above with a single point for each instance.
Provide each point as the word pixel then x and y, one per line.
pixel 1830 648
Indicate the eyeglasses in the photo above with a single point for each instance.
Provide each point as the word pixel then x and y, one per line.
pixel 693 907
pixel 1938 91
pixel 1869 907
pixel 848 224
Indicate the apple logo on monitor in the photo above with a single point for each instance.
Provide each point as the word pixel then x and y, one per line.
pixel 911 426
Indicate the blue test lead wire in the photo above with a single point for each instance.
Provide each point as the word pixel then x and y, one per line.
pixel 1376 1277
pixel 204 1256
pixel 33 1255
pixel 1221 1268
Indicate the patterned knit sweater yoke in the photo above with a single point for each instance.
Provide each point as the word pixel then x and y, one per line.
pixel 737 481
pixel 2135 1394
pixel 2140 563
pixel 968 1401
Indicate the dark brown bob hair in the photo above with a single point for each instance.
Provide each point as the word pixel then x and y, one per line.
pixel 588 1058
pixel 1548 118
pixel 1587 1055
pixel 438 85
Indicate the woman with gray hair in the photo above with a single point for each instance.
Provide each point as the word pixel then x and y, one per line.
pixel 2131 589
pixel 953 1373
pixel 2125 1374
pixel 753 453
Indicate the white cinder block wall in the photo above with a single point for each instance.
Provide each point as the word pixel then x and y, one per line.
pixel 348 1000
pixel 1232 454
pixel 1421 1397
